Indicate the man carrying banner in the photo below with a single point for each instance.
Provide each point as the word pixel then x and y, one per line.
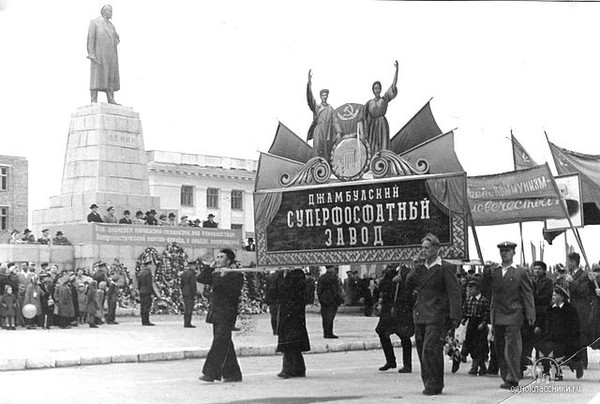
pixel 439 301
pixel 512 298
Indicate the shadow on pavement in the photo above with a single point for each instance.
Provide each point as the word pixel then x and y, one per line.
pixel 294 400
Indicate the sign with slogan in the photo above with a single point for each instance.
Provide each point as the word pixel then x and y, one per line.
pixel 512 197
pixel 369 221
pixel 192 237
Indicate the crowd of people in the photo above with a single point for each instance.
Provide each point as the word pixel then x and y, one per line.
pixel 29 238
pixel 56 298
pixel 148 218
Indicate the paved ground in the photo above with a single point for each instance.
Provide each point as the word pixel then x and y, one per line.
pixel 168 340
pixel 342 378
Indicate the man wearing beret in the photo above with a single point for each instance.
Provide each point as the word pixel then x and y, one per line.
pixel 512 302
pixel 438 308
pixel 94 216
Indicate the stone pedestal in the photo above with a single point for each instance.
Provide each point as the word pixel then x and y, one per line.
pixel 105 163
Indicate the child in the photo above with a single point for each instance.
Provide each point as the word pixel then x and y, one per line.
pixel 476 310
pixel 33 295
pixel 81 292
pixel 100 298
pixel 91 303
pixel 8 307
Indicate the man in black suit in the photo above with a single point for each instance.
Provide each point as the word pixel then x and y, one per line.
pixel 126 219
pixel 328 291
pixel 438 308
pixel 221 361
pixel 94 216
pixel 188 292
pixel 210 222
pixel 146 290
pixel 250 246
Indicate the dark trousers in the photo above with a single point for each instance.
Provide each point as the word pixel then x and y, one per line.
pixel 476 342
pixel 385 328
pixel 221 361
pixel 188 309
pixel 112 309
pixel 507 339
pixel 145 305
pixel 274 311
pixel 328 313
pixel 293 363
pixel 430 348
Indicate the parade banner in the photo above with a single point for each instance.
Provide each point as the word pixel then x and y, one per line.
pixel 193 237
pixel 512 197
pixel 366 221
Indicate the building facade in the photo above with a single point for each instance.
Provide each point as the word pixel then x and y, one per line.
pixel 13 195
pixel 197 185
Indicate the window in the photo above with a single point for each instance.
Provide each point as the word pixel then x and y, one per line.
pixel 212 198
pixel 235 226
pixel 237 199
pixel 187 195
pixel 3 218
pixel 3 178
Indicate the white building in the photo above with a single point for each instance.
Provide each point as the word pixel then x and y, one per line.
pixel 197 185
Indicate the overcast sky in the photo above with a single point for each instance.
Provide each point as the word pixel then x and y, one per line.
pixel 216 78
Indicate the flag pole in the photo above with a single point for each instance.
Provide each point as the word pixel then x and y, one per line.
pixel 512 142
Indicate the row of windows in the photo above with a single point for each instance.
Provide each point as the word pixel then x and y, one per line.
pixel 212 197
pixel 3 218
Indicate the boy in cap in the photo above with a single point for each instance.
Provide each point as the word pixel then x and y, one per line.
pixel 563 336
pixel 476 314
pixel 94 216
pixel 512 303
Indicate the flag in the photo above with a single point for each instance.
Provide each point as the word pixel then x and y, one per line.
pixel 541 250
pixel 514 196
pixel 289 145
pixel 533 252
pixel 521 158
pixel 588 167
pixel 420 128
pixel 439 154
pixel 271 168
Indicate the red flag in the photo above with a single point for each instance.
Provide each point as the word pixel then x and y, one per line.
pixel 588 167
pixel 420 128
pixel 521 158
pixel 287 144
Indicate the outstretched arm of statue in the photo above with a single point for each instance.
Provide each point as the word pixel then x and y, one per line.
pixel 312 104
pixel 395 75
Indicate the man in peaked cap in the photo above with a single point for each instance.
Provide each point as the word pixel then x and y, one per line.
pixel 183 222
pixel 146 290
pixel 45 238
pixel 94 216
pixel 512 302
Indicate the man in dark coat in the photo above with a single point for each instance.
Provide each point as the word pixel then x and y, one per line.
pixel 582 291
pixel 291 327
pixel 221 361
pixel 94 216
pixel 562 337
pixel 126 219
pixel 272 290
pixel 437 308
pixel 146 290
pixel 512 304
pixel 210 222
pixel 542 298
pixel 395 317
pixel 328 291
pixel 189 291
pixel 112 295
